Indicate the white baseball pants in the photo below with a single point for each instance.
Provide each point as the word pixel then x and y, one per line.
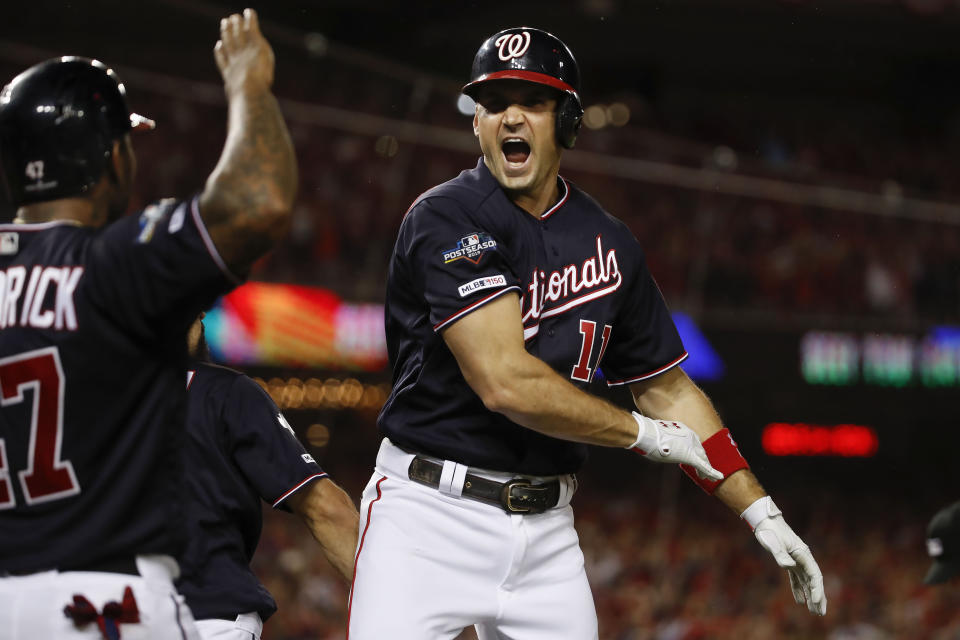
pixel 430 563
pixel 31 606
pixel 247 626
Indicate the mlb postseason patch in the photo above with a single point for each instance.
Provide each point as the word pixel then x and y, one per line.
pixel 152 216
pixel 470 248
pixel 482 283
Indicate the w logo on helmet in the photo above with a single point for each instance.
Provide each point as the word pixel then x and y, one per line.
pixel 513 45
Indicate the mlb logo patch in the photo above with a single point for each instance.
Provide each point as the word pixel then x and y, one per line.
pixel 470 248
pixel 9 243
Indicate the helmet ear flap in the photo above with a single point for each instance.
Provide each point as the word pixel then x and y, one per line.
pixel 569 119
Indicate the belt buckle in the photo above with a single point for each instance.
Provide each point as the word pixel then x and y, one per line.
pixel 507 498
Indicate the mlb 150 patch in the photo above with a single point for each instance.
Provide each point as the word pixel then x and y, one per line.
pixel 482 283
pixel 470 248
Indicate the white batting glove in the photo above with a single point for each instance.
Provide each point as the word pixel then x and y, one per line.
pixel 786 547
pixel 675 442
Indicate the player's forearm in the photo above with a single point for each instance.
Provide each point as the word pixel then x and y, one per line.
pixel 247 200
pixel 535 396
pixel 333 521
pixel 248 197
pixel 740 490
pixel 673 396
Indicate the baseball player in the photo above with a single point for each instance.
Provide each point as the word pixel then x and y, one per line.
pixel 241 450
pixel 943 545
pixel 95 309
pixel 508 289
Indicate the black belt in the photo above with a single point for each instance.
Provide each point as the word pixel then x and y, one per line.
pixel 126 565
pixel 514 496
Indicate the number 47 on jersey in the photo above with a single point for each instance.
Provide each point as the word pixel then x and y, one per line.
pixel 47 477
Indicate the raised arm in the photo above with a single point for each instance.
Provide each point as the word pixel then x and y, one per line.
pixel 332 519
pixel 247 200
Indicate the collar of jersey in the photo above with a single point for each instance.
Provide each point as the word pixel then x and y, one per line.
pixel 563 198
pixel 564 187
pixel 37 226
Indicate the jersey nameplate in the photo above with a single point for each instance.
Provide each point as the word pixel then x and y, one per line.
pixel 23 300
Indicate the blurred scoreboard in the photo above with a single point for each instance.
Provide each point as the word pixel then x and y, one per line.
pixel 882 359
pixel 277 325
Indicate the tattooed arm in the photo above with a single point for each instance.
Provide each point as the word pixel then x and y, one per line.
pixel 247 199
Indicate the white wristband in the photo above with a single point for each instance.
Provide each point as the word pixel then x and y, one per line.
pixel 642 431
pixel 760 510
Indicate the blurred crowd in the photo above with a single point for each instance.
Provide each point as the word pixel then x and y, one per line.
pixel 691 572
pixel 707 249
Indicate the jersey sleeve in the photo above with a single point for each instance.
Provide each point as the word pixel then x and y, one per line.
pixel 458 265
pixel 156 270
pixel 644 342
pixel 263 445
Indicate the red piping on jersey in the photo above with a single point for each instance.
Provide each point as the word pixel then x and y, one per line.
pixel 208 242
pixel 359 549
pixel 529 76
pixel 473 306
pixel 294 490
pixel 416 202
pixel 615 383
pixel 566 194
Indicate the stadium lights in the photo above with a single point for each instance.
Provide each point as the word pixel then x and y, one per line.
pixel 332 393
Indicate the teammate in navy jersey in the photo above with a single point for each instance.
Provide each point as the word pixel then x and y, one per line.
pixel 507 289
pixel 240 450
pixel 95 309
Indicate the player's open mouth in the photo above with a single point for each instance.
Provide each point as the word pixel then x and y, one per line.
pixel 515 151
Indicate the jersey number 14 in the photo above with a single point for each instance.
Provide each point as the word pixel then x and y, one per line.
pixel 46 477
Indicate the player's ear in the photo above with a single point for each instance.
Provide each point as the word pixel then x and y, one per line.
pixel 121 166
pixel 115 168
pixel 476 121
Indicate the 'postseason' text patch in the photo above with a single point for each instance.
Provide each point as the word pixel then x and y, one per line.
pixel 471 248
pixel 482 283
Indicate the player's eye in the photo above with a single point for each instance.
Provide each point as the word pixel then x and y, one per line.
pixel 494 105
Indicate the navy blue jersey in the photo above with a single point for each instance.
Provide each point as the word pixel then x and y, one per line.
pixel 586 299
pixel 240 450
pixel 93 329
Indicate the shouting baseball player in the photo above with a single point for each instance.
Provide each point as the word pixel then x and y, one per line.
pixel 95 309
pixel 242 450
pixel 508 287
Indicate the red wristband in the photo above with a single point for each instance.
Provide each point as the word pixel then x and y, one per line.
pixel 723 455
